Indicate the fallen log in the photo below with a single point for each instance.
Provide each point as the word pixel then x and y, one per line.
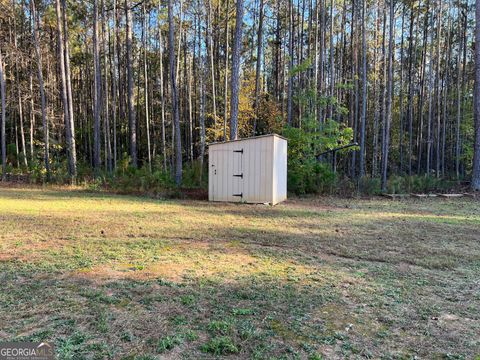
pixel 451 195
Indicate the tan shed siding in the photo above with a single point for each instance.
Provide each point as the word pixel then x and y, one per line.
pixel 226 181
pixel 222 172
pixel 269 154
pixel 274 171
pixel 210 177
pixel 258 169
pixel 280 170
pixel 249 171
pixel 269 157
pixel 258 165
pixel 254 168
pixel 220 190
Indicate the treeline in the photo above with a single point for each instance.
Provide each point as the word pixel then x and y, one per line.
pixel 89 87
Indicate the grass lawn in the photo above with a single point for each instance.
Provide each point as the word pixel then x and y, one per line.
pixel 104 276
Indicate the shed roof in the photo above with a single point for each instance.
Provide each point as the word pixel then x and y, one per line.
pixel 249 138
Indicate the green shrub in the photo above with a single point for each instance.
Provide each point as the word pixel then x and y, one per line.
pixel 396 185
pixel 418 184
pixel 370 186
pixel 129 179
pixel 195 175
pixel 12 154
pixel 306 174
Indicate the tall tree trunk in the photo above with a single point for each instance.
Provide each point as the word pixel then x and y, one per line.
pixel 353 96
pixel 175 105
pixel 212 67
pixel 444 90
pixel 162 100
pixel 64 91
pixel 383 96
pixel 236 53
pixel 465 80
pixel 225 100
pixel 332 61
pixel 354 75
pixel 180 34
pixel 4 108
pixel 38 53
pixel 19 94
pixel 401 115
pixel 68 79
pixel 422 89
pixel 364 93
pixel 476 149
pixel 290 64
pixel 22 133
pixel 132 123
pixel 122 104
pixel 115 75
pixel 190 106
pixel 278 45
pixel 316 57
pixel 438 92
pixel 388 117
pixel 32 117
pixel 106 112
pixel 258 65
pixel 145 90
pixel 430 106
pixel 97 91
pixel 321 61
pixel 411 62
pixel 459 95
pixel 201 74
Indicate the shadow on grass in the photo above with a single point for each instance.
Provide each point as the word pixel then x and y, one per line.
pixel 208 316
pixel 126 318
pixel 170 280
pixel 101 237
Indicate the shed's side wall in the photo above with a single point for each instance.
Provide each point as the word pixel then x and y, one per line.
pixel 258 170
pixel 279 186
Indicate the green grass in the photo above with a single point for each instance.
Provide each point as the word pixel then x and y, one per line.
pixel 120 277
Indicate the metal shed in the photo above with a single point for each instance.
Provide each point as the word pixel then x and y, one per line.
pixel 251 170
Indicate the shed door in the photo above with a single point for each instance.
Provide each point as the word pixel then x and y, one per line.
pixel 237 175
pixel 216 175
pixel 226 175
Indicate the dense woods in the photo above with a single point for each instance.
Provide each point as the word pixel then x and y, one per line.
pixel 95 88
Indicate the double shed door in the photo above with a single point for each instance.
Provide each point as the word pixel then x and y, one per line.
pixel 226 172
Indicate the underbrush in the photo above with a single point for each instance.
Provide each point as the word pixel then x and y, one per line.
pixel 319 179
pixel 305 176
pixel 419 184
pixel 124 179
pixel 156 182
